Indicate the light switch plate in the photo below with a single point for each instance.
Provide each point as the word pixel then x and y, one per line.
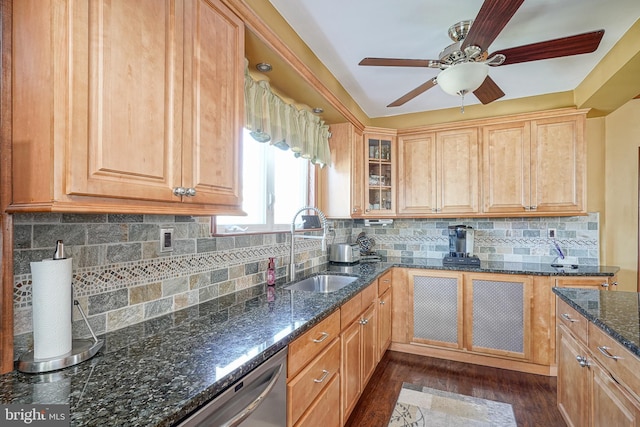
pixel 166 239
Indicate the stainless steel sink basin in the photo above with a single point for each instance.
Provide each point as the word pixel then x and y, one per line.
pixel 322 283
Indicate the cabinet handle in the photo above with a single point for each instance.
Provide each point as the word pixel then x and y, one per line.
pixel 534 207
pixel 381 302
pixel 322 378
pixel 614 284
pixel 582 360
pixel 565 316
pixel 605 351
pixel 190 192
pixel 179 191
pixel 322 338
pixel 605 285
pixel 364 321
pixel 386 280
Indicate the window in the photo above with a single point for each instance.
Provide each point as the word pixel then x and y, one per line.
pixel 275 184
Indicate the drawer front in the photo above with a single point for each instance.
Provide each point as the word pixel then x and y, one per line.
pixel 369 295
pixel 623 365
pixel 325 410
pixel 309 383
pixel 573 320
pixel 384 282
pixel 312 342
pixel 350 310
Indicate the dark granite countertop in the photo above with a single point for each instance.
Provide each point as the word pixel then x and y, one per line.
pixel 615 312
pixel 156 372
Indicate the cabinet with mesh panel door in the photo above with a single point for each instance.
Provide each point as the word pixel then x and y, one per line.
pixel 476 313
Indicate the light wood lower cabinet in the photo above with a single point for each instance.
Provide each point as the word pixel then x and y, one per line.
pixel 313 368
pixel 385 312
pixel 329 365
pixel 594 389
pixel 603 283
pixel 478 313
pixel 359 346
pixel 500 320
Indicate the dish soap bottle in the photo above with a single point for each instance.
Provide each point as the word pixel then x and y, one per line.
pixel 271 272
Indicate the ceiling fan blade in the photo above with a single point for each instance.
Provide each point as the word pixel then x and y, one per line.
pixel 491 19
pixel 488 91
pixel 417 91
pixel 400 62
pixel 565 46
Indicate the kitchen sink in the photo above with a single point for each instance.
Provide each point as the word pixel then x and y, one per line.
pixel 322 283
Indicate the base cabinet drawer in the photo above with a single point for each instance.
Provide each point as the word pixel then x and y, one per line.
pixel 623 365
pixel 572 320
pixel 305 387
pixel 612 406
pixel 308 345
pixel 324 411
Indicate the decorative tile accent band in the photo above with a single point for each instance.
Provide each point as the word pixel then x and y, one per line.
pixel 96 280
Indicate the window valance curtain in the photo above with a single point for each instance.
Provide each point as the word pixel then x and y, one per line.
pixel 271 119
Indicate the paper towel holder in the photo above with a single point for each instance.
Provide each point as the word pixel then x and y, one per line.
pixel 81 350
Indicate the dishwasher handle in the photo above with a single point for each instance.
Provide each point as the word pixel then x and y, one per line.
pixel 248 410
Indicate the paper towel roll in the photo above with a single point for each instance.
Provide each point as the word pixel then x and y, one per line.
pixel 51 301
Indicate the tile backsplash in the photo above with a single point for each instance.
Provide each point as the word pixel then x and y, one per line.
pixel 120 276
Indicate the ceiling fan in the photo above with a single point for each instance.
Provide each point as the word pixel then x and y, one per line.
pixel 465 63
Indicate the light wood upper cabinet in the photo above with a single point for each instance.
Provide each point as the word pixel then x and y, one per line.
pixel 458 168
pixel 213 103
pixel 379 172
pixel 535 166
pixel 138 99
pixel 438 173
pixel 558 164
pixel 506 167
pixel 340 184
pixel 417 177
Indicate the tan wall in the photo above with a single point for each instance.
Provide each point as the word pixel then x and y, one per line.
pixel 619 241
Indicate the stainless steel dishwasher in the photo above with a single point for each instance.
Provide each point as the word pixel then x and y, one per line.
pixel 259 399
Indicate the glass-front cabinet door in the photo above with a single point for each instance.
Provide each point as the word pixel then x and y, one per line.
pixel 380 178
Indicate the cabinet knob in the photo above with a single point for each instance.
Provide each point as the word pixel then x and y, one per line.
pixel 582 360
pixel 190 192
pixel 364 321
pixel 179 191
pixel 533 208
pixel 355 209
pixel 381 302
pixel 605 285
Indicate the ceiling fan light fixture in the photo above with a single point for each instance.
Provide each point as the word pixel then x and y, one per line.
pixel 462 78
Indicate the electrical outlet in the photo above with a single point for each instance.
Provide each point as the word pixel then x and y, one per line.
pixel 551 233
pixel 166 239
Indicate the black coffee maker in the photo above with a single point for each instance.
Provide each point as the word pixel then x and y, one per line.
pixel 461 247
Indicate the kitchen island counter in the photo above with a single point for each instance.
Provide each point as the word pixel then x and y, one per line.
pixel 157 372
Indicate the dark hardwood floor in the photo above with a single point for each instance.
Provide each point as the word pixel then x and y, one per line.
pixel 533 397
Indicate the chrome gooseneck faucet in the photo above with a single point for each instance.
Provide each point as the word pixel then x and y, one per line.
pixel 292 265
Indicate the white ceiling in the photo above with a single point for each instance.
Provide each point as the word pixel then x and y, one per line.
pixel 343 32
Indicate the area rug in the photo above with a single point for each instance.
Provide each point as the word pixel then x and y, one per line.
pixel 423 406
